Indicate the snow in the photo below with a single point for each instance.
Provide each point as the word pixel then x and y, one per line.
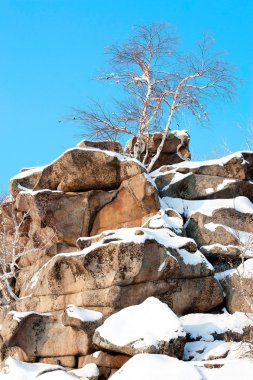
pixel 142 325
pixel 196 164
pixel 162 220
pixel 156 367
pixel 203 326
pixel 194 258
pixel 19 315
pixel 245 270
pixel 208 206
pixel 245 238
pixel 84 315
pixel 201 350
pixel 231 369
pixel 88 371
pixel 28 172
pixel 14 369
pixel 96 354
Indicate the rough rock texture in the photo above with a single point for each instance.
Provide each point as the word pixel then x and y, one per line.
pixel 98 239
pixel 80 169
pixel 113 146
pixel 38 335
pixel 195 186
pixel 136 201
pixel 238 287
pixel 235 166
pixel 176 148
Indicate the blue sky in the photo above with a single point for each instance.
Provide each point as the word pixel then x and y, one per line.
pixel 51 50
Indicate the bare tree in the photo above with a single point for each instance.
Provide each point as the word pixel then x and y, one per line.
pixel 13 245
pixel 159 83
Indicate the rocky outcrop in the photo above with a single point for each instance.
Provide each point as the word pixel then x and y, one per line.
pixel 176 148
pixel 101 239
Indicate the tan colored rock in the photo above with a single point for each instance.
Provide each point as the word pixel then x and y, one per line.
pixel 195 186
pixel 113 146
pixel 41 335
pixel 65 361
pixel 197 295
pixel 66 216
pixel 235 166
pixel 221 227
pixel 176 148
pixel 122 260
pixel 26 179
pixel 17 353
pixel 135 202
pixel 103 359
pixel 238 287
pixel 81 169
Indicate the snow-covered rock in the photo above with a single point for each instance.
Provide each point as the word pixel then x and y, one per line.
pixel 150 327
pixel 156 367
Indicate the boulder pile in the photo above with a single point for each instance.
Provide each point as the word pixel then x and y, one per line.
pixel 119 266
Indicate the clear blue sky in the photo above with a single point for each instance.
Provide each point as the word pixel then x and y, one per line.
pixel 51 49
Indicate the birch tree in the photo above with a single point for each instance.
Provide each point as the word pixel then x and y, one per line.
pixel 159 83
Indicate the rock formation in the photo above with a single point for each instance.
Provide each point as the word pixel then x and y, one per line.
pixel 130 264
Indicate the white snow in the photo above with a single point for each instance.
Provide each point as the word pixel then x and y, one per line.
pixel 87 372
pixel 96 354
pixel 203 326
pixel 208 206
pixel 156 367
pixel 84 315
pixel 194 258
pixel 201 350
pixel 162 220
pixel 245 270
pixel 230 369
pixel 220 162
pixel 14 369
pixel 28 172
pixel 19 315
pixel 142 325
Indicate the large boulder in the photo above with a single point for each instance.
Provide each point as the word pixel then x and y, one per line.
pixel 82 169
pixel 195 186
pixel 79 169
pixel 235 166
pixel 127 256
pixel 67 216
pixel 237 285
pixel 135 202
pixel 176 148
pixel 150 327
pixel 120 268
pixel 230 219
pixel 51 334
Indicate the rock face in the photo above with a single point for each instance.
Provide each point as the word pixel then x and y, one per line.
pixel 237 285
pixel 113 257
pixel 176 148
